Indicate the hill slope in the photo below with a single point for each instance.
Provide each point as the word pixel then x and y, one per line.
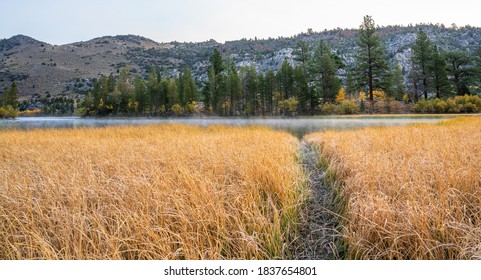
pixel 40 68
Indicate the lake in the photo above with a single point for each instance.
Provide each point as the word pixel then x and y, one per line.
pixel 297 126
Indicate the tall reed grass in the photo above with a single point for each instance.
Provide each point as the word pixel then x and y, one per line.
pixel 155 192
pixel 409 192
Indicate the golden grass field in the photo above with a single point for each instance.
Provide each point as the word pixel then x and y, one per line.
pixel 409 192
pixel 152 192
pixel 185 192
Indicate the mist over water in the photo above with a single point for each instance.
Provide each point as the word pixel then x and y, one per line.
pixel 296 126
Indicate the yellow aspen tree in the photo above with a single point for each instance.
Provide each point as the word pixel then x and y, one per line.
pixel 341 95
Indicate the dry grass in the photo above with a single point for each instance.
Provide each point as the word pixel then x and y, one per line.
pixel 155 192
pixel 408 192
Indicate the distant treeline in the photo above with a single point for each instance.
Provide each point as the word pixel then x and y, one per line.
pixel 154 96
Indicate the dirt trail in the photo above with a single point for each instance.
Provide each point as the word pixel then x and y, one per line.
pixel 318 238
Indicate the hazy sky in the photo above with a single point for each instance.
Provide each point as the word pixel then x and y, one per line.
pixel 67 21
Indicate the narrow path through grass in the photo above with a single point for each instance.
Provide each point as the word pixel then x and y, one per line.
pixel 318 238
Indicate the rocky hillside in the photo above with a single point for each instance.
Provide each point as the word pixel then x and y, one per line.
pixel 42 69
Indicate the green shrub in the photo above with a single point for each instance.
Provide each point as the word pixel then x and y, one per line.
pixel 470 107
pixel 190 107
pixel 327 108
pixel 420 106
pixel 177 110
pixel 440 106
pixel 451 106
pixel 460 104
pixel 348 107
pixel 289 106
pixel 468 103
pixel 461 99
pixel 474 99
pixel 8 112
pixel 162 110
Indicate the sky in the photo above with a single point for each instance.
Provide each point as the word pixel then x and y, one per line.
pixel 67 21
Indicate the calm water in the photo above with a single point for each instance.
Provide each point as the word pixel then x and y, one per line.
pixel 297 126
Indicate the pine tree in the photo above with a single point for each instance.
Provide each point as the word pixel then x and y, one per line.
pixel 261 98
pixel 251 90
pixel 180 89
pixel 209 89
pixel 324 48
pixel 140 95
pixel 97 96
pixel 104 91
pixel 330 83
pixel 302 54
pixel 460 70
pixel 477 70
pixel 109 95
pixel 322 72
pixel 10 96
pixel 124 88
pixel 301 89
pixel 398 87
pixel 371 67
pixel 164 95
pixel 285 79
pixel 153 90
pixel 172 93
pixel 422 57
pixel 215 92
pixel 235 90
pixel 269 89
pixel 439 77
pixel 189 87
pixel 217 62
pixel 111 84
pixel 222 94
pixel 350 85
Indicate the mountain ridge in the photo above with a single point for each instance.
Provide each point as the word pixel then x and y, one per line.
pixel 44 69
